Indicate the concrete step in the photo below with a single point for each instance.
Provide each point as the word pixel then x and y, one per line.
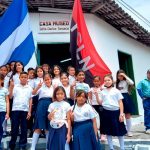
pixel 130 144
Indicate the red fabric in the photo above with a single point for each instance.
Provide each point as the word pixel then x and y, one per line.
pixel 100 68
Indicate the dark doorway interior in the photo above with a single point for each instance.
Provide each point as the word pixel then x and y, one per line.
pixel 54 54
pixel 125 63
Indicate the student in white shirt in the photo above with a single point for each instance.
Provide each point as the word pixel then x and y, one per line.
pixel 46 68
pixel 12 64
pixel 123 84
pixel 65 84
pixel 18 68
pixel 95 99
pixel 56 71
pixel 59 116
pixel 113 115
pixel 31 76
pixel 21 110
pixel 45 92
pixel 84 129
pixel 72 74
pixel 79 84
pixel 4 106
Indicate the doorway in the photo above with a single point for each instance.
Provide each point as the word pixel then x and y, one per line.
pixel 54 54
pixel 125 63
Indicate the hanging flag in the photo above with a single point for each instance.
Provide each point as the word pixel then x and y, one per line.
pixel 16 39
pixel 83 53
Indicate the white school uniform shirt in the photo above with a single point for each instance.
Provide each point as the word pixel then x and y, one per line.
pixel 21 96
pixel 93 100
pixel 67 90
pixel 83 113
pixel 16 79
pixel 72 79
pixel 3 93
pixel 45 91
pixel 6 82
pixel 82 86
pixel 61 108
pixel 124 84
pixel 110 99
pixel 56 82
pixel 31 82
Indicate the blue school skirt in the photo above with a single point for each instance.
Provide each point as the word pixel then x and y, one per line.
pixel 41 116
pixel 128 103
pixel 111 124
pixel 57 138
pixel 84 137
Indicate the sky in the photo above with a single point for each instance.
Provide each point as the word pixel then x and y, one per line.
pixel 142 7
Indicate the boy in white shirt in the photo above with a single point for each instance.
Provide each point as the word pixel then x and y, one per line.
pixel 21 110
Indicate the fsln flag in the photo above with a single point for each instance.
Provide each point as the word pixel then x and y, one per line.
pixel 83 52
pixel 16 39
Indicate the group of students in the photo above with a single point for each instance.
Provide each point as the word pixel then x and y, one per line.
pixel 64 107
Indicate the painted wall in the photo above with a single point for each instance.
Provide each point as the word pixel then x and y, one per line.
pixel 107 41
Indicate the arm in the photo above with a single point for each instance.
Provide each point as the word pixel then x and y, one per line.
pixel 121 117
pixel 30 109
pixel 34 92
pixel 11 87
pixel 99 101
pixel 69 127
pixel 95 127
pixel 72 92
pixel 139 89
pixel 7 107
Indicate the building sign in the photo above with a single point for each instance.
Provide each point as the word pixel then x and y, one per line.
pixel 54 23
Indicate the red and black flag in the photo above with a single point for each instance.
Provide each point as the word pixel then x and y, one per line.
pixel 83 53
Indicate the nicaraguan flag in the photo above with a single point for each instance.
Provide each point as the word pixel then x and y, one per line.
pixel 16 39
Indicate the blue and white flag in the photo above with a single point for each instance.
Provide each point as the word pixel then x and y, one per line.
pixel 16 39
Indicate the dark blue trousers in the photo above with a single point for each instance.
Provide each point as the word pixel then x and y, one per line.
pixel 2 118
pixel 146 106
pixel 18 119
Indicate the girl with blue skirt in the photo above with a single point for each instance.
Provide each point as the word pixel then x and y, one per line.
pixel 45 92
pixel 124 84
pixel 113 115
pixel 84 128
pixel 59 116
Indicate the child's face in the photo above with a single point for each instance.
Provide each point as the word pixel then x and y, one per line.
pixel 46 68
pixel 64 80
pixel 19 67
pixel 3 71
pixel 23 79
pixel 31 74
pixel 39 72
pixel 81 99
pixel 71 71
pixel 81 76
pixel 60 95
pixel 47 81
pixel 56 71
pixel 12 65
pixel 108 81
pixel 96 82
pixel 120 77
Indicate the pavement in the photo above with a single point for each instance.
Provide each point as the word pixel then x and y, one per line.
pixel 139 141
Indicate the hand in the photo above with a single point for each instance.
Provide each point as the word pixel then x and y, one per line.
pixel 51 115
pixel 68 138
pixel 73 85
pixel 28 115
pixel 122 74
pixel 40 84
pixel 121 118
pixel 7 116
